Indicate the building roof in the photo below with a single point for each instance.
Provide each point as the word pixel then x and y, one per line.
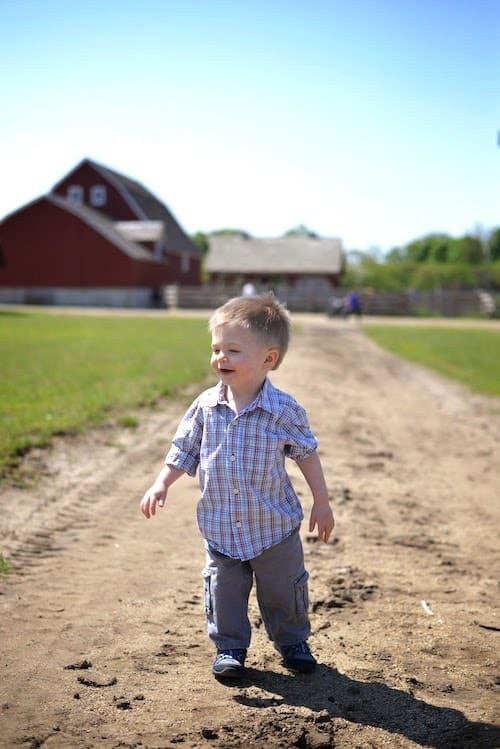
pixel 144 204
pixel 103 226
pixel 237 253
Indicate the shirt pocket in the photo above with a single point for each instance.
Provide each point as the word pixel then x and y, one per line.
pixel 267 454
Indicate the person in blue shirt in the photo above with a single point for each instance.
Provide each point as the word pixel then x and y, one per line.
pixel 237 435
pixel 352 305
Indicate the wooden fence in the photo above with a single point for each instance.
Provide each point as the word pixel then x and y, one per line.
pixel 437 302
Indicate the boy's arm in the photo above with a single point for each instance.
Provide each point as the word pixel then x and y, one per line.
pixel 321 512
pixel 157 493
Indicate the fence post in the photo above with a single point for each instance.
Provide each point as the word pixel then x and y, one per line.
pixel 171 296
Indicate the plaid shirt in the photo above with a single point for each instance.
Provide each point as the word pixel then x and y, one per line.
pixel 247 501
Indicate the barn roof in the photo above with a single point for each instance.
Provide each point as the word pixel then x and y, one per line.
pixel 103 226
pixel 238 253
pixel 145 205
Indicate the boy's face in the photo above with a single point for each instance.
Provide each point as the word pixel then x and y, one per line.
pixel 240 358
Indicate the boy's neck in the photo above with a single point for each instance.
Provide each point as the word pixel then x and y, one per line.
pixel 241 399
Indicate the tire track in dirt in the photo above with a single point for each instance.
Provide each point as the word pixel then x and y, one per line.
pixel 409 462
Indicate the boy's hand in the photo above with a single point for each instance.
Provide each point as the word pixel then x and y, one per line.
pixel 155 496
pixel 322 517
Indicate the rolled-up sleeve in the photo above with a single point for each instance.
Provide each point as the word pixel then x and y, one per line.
pixel 300 441
pixel 184 453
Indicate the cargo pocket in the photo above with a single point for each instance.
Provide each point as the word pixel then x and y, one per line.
pixel 207 585
pixel 302 594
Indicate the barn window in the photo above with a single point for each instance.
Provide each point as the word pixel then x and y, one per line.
pixel 98 195
pixel 75 194
pixel 185 264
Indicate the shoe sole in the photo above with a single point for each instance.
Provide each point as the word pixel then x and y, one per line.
pixel 303 668
pixel 230 673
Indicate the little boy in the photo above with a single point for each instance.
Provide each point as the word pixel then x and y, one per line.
pixel 238 433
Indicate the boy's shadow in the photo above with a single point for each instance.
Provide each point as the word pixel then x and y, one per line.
pixel 371 704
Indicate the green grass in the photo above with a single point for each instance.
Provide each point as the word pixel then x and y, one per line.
pixel 60 373
pixel 469 355
pixel 5 565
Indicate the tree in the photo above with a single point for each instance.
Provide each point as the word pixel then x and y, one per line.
pixel 417 251
pixel 465 249
pixel 494 245
pixel 232 231
pixel 201 241
pixel 439 246
pixel 396 255
pixel 301 231
pixel 356 257
pixel 432 247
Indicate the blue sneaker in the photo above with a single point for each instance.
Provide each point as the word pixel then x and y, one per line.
pixel 298 657
pixel 229 664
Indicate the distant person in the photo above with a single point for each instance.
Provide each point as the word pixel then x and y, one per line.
pixel 239 433
pixel 248 289
pixel 487 302
pixel 335 307
pixel 352 305
pixel 156 297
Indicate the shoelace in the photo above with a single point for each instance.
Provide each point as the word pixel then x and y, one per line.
pixel 300 647
pixel 232 654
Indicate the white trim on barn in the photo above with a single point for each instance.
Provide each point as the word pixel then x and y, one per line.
pixel 140 231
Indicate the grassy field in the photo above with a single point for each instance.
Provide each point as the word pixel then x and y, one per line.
pixel 469 355
pixel 60 373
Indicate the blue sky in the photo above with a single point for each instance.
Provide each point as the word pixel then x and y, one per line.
pixel 372 120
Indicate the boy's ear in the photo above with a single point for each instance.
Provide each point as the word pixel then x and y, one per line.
pixel 272 357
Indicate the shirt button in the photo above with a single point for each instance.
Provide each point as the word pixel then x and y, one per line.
pixel 238 524
pixel 233 458
pixel 236 490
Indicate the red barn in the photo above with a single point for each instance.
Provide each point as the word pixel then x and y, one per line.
pixel 98 238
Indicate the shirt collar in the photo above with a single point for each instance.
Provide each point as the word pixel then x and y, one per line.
pixel 265 399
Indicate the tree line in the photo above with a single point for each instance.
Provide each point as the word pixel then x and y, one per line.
pixel 434 261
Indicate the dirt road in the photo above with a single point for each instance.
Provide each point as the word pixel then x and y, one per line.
pixel 102 633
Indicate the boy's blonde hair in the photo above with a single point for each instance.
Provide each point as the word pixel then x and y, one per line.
pixel 262 314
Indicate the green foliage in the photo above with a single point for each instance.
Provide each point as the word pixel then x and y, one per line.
pixel 60 373
pixel 427 276
pixel 441 248
pixel 465 250
pixel 436 261
pixel 300 231
pixel 396 255
pixel 201 241
pixel 419 250
pixel 129 422
pixel 5 565
pixel 397 276
pixel 232 231
pixel 438 249
pixel 494 274
pixel 378 276
pixel 469 355
pixel 494 245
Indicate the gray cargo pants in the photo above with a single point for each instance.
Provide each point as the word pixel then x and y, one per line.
pixel 282 595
